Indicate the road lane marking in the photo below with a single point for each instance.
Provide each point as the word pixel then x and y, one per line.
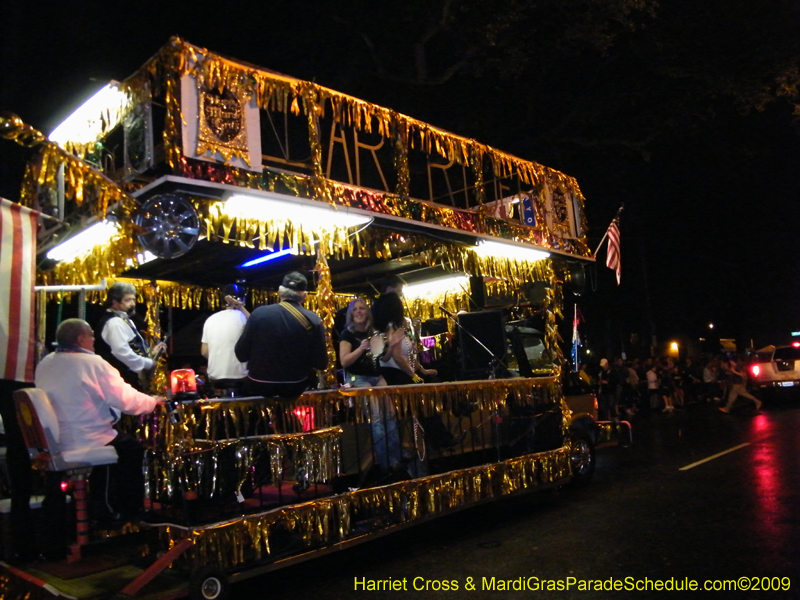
pixel 705 460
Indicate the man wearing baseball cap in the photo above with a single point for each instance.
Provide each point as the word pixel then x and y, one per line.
pixel 282 343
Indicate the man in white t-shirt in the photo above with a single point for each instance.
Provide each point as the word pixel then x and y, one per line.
pixel 221 331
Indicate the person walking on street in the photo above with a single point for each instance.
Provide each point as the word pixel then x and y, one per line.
pixel 736 378
pixel 667 389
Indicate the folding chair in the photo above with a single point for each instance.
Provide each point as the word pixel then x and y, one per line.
pixel 40 430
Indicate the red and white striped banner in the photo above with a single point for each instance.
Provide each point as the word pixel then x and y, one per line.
pixel 613 258
pixel 17 278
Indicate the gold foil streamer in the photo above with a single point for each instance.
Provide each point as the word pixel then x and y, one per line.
pixel 278 92
pixel 168 67
pixel 552 309
pixel 400 138
pixel 270 234
pixel 335 519
pixel 327 312
pixel 106 261
pixel 15 129
pixel 186 456
pixel 158 381
pixel 476 162
pixel 82 182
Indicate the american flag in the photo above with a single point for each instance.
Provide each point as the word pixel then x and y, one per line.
pixel 576 340
pixel 613 259
pixel 17 277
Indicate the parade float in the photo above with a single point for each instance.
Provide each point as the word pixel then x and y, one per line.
pixel 200 170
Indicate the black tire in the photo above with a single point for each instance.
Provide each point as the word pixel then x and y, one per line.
pixel 209 583
pixel 581 458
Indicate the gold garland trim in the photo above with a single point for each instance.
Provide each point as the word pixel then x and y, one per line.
pixel 331 520
pixel 277 92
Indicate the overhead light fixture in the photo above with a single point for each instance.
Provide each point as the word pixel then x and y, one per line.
pixel 98 234
pixel 94 117
pixel 433 288
pixel 322 217
pixel 511 251
pixel 267 257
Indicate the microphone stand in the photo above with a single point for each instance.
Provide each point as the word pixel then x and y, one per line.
pixel 494 362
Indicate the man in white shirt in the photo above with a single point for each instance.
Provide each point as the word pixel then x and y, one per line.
pixel 83 389
pixel 221 331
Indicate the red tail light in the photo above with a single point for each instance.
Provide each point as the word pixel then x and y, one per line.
pixel 755 370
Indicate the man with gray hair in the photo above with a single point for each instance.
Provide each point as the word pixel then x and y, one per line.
pixel 282 343
pixel 84 391
pixel 120 342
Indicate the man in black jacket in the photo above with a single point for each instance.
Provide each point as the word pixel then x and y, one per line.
pixel 282 343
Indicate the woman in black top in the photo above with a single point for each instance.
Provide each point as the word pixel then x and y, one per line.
pixel 362 370
pixel 355 355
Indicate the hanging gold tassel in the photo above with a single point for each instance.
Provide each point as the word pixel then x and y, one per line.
pixel 326 307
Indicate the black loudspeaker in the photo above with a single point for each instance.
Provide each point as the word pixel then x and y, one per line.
pixel 575 278
pixel 434 326
pixel 488 327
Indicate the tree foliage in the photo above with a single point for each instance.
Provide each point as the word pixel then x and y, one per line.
pixel 576 75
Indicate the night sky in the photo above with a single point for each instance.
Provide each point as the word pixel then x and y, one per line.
pixel 673 111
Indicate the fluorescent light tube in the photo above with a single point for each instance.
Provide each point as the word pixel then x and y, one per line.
pixel 494 249
pixel 436 287
pixel 94 117
pixel 98 234
pixel 322 217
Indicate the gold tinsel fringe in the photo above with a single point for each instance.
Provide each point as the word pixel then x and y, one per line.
pixel 331 520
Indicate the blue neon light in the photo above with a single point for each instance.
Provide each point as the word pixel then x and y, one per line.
pixel 266 257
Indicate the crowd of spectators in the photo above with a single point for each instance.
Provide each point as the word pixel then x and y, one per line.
pixel 627 387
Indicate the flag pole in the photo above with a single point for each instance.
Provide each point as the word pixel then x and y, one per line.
pixel 603 239
pixel 605 235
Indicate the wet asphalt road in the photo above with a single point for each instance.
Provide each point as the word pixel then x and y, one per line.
pixel 642 518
